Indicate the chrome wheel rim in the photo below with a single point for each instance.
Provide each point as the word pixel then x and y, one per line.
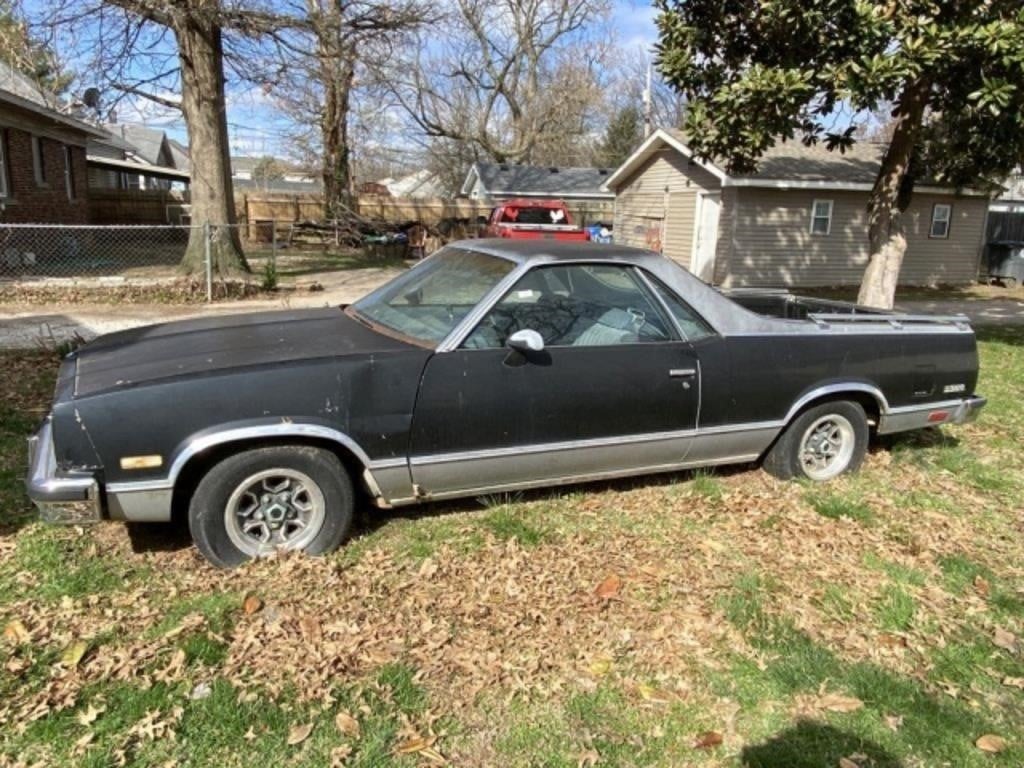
pixel 826 447
pixel 274 509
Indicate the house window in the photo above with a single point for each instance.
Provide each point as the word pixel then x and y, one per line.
pixel 821 217
pixel 38 166
pixel 69 172
pixel 5 185
pixel 941 215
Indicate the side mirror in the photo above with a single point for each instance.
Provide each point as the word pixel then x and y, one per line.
pixel 525 341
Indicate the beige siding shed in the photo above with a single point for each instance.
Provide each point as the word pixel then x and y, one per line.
pixel 656 206
pixel 668 201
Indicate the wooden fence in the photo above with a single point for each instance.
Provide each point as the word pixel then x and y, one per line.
pixel 257 211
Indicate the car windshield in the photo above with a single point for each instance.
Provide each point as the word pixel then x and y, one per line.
pixel 428 301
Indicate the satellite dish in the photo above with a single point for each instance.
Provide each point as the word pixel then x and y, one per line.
pixel 91 98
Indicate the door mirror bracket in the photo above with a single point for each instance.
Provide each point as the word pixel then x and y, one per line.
pixel 526 341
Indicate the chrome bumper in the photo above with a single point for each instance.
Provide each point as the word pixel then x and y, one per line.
pixel 969 409
pixel 66 499
pixel 931 415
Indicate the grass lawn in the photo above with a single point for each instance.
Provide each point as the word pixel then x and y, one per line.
pixel 710 619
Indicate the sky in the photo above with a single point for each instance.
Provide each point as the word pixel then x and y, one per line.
pixel 257 127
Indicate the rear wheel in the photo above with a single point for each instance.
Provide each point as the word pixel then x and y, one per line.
pixel 262 500
pixel 821 443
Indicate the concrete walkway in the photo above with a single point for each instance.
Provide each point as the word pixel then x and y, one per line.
pixel 27 326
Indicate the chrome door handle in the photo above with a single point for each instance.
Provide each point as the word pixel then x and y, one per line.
pixel 682 373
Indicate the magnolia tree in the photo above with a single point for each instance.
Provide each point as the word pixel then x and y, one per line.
pixel 951 72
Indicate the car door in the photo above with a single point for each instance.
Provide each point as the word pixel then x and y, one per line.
pixel 615 390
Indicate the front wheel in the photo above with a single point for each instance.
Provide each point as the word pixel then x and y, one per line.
pixel 821 443
pixel 258 501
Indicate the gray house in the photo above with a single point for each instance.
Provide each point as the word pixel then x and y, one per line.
pixel 800 220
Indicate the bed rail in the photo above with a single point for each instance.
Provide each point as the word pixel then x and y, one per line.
pixel 896 320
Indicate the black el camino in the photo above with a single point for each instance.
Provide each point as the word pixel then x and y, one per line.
pixel 493 365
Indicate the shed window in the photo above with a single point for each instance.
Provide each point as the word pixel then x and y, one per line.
pixel 69 172
pixel 5 184
pixel 941 215
pixel 38 163
pixel 821 217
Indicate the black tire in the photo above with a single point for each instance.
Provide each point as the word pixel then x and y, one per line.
pixel 322 470
pixel 784 459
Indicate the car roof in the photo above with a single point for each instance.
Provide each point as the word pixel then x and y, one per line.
pixel 526 250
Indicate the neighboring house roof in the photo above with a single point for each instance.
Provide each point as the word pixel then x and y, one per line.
pixel 148 143
pixel 787 165
pixel 134 166
pixel 20 84
pixel 19 90
pixel 420 184
pixel 180 155
pixel 109 140
pixel 537 181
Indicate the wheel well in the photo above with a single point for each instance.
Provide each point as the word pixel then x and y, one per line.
pixel 866 400
pixel 197 466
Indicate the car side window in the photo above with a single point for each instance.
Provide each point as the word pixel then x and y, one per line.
pixel 689 322
pixel 574 306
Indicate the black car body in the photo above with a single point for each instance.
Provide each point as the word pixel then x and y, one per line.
pixel 694 377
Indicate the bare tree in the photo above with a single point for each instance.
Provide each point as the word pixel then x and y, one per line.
pixel 172 52
pixel 317 77
pixel 511 78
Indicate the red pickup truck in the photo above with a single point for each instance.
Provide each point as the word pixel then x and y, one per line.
pixel 532 219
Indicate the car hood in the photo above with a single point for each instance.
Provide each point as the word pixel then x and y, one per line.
pixel 209 345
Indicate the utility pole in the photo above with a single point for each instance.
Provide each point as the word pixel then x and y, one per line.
pixel 647 103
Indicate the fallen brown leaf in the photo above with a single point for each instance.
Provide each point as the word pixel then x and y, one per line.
pixel 15 632
pixel 299 733
pixel 90 714
pixel 894 722
pixel 588 759
pixel 1014 682
pixel 609 587
pixel 1005 640
pixel 991 743
pixel 833 702
pixel 347 724
pixel 707 740
pixel 251 604
pixel 981 586
pixel 410 746
pixel 845 762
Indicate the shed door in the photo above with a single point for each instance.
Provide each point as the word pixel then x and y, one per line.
pixel 709 205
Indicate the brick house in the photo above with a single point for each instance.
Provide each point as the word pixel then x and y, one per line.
pixel 43 172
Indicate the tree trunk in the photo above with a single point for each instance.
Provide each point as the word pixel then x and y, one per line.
pixel 203 102
pixel 337 62
pixel 889 199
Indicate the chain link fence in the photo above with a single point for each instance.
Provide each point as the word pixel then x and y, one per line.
pixel 56 254
pixel 69 251
pixel 44 261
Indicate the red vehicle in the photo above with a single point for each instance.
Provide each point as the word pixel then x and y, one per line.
pixel 533 219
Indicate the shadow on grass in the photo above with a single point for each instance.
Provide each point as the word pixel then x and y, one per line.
pixel 1000 334
pixel 159 537
pixel 810 744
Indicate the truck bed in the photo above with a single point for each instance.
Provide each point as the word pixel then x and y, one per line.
pixel 787 306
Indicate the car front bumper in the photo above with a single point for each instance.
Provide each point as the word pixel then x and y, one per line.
pixel 64 498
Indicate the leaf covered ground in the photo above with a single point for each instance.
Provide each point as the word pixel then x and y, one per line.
pixel 711 619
